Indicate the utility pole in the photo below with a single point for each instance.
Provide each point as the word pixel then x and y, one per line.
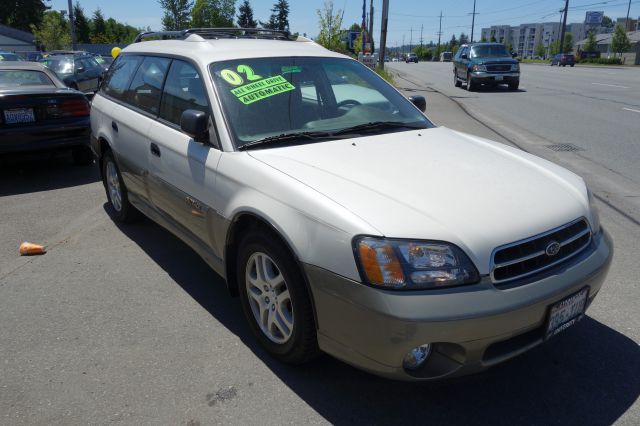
pixel 626 22
pixel 439 33
pixel 421 28
pixel 411 40
pixel 371 25
pixel 72 25
pixel 383 31
pixel 403 53
pixel 564 24
pixel 473 20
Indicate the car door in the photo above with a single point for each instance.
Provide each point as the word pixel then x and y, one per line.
pixel 128 126
pixel 182 173
pixel 93 72
pixel 461 63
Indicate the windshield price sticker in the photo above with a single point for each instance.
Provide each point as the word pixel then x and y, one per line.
pixel 259 90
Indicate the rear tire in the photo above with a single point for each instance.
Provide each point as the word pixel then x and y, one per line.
pixel 117 193
pixel 456 80
pixel 275 299
pixel 513 86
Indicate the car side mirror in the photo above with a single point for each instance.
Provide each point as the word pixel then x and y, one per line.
pixel 464 56
pixel 419 101
pixel 195 124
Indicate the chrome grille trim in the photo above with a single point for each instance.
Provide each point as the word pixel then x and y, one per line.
pixel 571 239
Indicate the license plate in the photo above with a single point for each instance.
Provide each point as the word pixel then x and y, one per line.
pixel 19 115
pixel 498 78
pixel 566 312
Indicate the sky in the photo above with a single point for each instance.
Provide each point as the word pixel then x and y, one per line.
pixel 408 19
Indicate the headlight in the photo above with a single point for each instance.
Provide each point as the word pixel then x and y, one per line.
pixel 412 265
pixel 482 68
pixel 515 67
pixel 595 216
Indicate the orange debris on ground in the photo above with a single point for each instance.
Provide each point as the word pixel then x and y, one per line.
pixel 28 249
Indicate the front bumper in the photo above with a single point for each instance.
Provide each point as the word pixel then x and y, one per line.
pixel 471 327
pixel 495 78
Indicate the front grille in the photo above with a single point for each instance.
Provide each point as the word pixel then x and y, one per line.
pixel 527 257
pixel 499 67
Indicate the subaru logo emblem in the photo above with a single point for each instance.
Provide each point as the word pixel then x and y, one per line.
pixel 552 248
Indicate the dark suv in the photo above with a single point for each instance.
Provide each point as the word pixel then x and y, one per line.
pixel 78 71
pixel 563 59
pixel 411 57
pixel 485 63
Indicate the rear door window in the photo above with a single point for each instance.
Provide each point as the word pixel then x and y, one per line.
pixel 146 87
pixel 119 76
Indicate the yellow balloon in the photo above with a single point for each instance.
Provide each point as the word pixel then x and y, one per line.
pixel 115 52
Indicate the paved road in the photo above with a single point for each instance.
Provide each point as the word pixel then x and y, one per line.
pixel 595 109
pixel 125 324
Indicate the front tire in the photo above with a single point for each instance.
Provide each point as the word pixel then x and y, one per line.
pixel 275 300
pixel 514 85
pixel 117 193
pixel 456 81
pixel 471 86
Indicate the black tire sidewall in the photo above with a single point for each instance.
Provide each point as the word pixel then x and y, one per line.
pixel 126 213
pixel 297 348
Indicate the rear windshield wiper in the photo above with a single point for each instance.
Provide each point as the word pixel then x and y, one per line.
pixel 378 125
pixel 286 137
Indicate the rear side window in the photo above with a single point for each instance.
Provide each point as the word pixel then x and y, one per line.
pixel 119 76
pixel 146 87
pixel 183 90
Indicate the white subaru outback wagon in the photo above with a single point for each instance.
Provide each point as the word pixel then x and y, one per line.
pixel 343 218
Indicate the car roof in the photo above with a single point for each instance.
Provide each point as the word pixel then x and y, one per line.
pixel 22 65
pixel 206 51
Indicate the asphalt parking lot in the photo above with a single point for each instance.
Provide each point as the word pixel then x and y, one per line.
pixel 125 324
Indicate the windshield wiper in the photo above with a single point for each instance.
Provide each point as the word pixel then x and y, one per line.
pixel 286 137
pixel 378 125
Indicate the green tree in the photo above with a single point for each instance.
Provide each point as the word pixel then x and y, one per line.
pixel 279 19
pixel 464 39
pixel 620 42
pixel 212 13
pixel 22 14
pixel 176 14
pixel 423 53
pixel 493 39
pixel 453 42
pixel 568 43
pixel 330 24
pixel 245 17
pixel 607 22
pixel 540 50
pixel 591 45
pixel 53 31
pixel 98 26
pixel 483 39
pixel 357 44
pixel 554 48
pixel 83 31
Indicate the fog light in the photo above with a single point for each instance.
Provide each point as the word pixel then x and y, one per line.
pixel 416 357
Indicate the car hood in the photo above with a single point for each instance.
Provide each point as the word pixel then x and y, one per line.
pixel 438 184
pixel 501 60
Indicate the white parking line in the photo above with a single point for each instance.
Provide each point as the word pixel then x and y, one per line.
pixel 610 85
pixel 634 110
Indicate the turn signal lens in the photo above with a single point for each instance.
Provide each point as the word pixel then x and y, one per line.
pixel 380 263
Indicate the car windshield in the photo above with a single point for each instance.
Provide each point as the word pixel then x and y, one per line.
pixel 489 51
pixel 269 97
pixel 59 65
pixel 9 57
pixel 13 78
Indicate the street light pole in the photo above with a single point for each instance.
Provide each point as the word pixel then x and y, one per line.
pixel 72 25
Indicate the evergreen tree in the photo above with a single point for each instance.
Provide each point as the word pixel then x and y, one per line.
pixel 22 14
pixel 245 17
pixel 279 19
pixel 98 28
pixel 464 39
pixel 83 32
pixel 176 14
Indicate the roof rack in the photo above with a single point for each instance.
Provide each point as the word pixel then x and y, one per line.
pixel 217 33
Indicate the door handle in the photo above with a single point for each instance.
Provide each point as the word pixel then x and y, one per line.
pixel 114 126
pixel 155 150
